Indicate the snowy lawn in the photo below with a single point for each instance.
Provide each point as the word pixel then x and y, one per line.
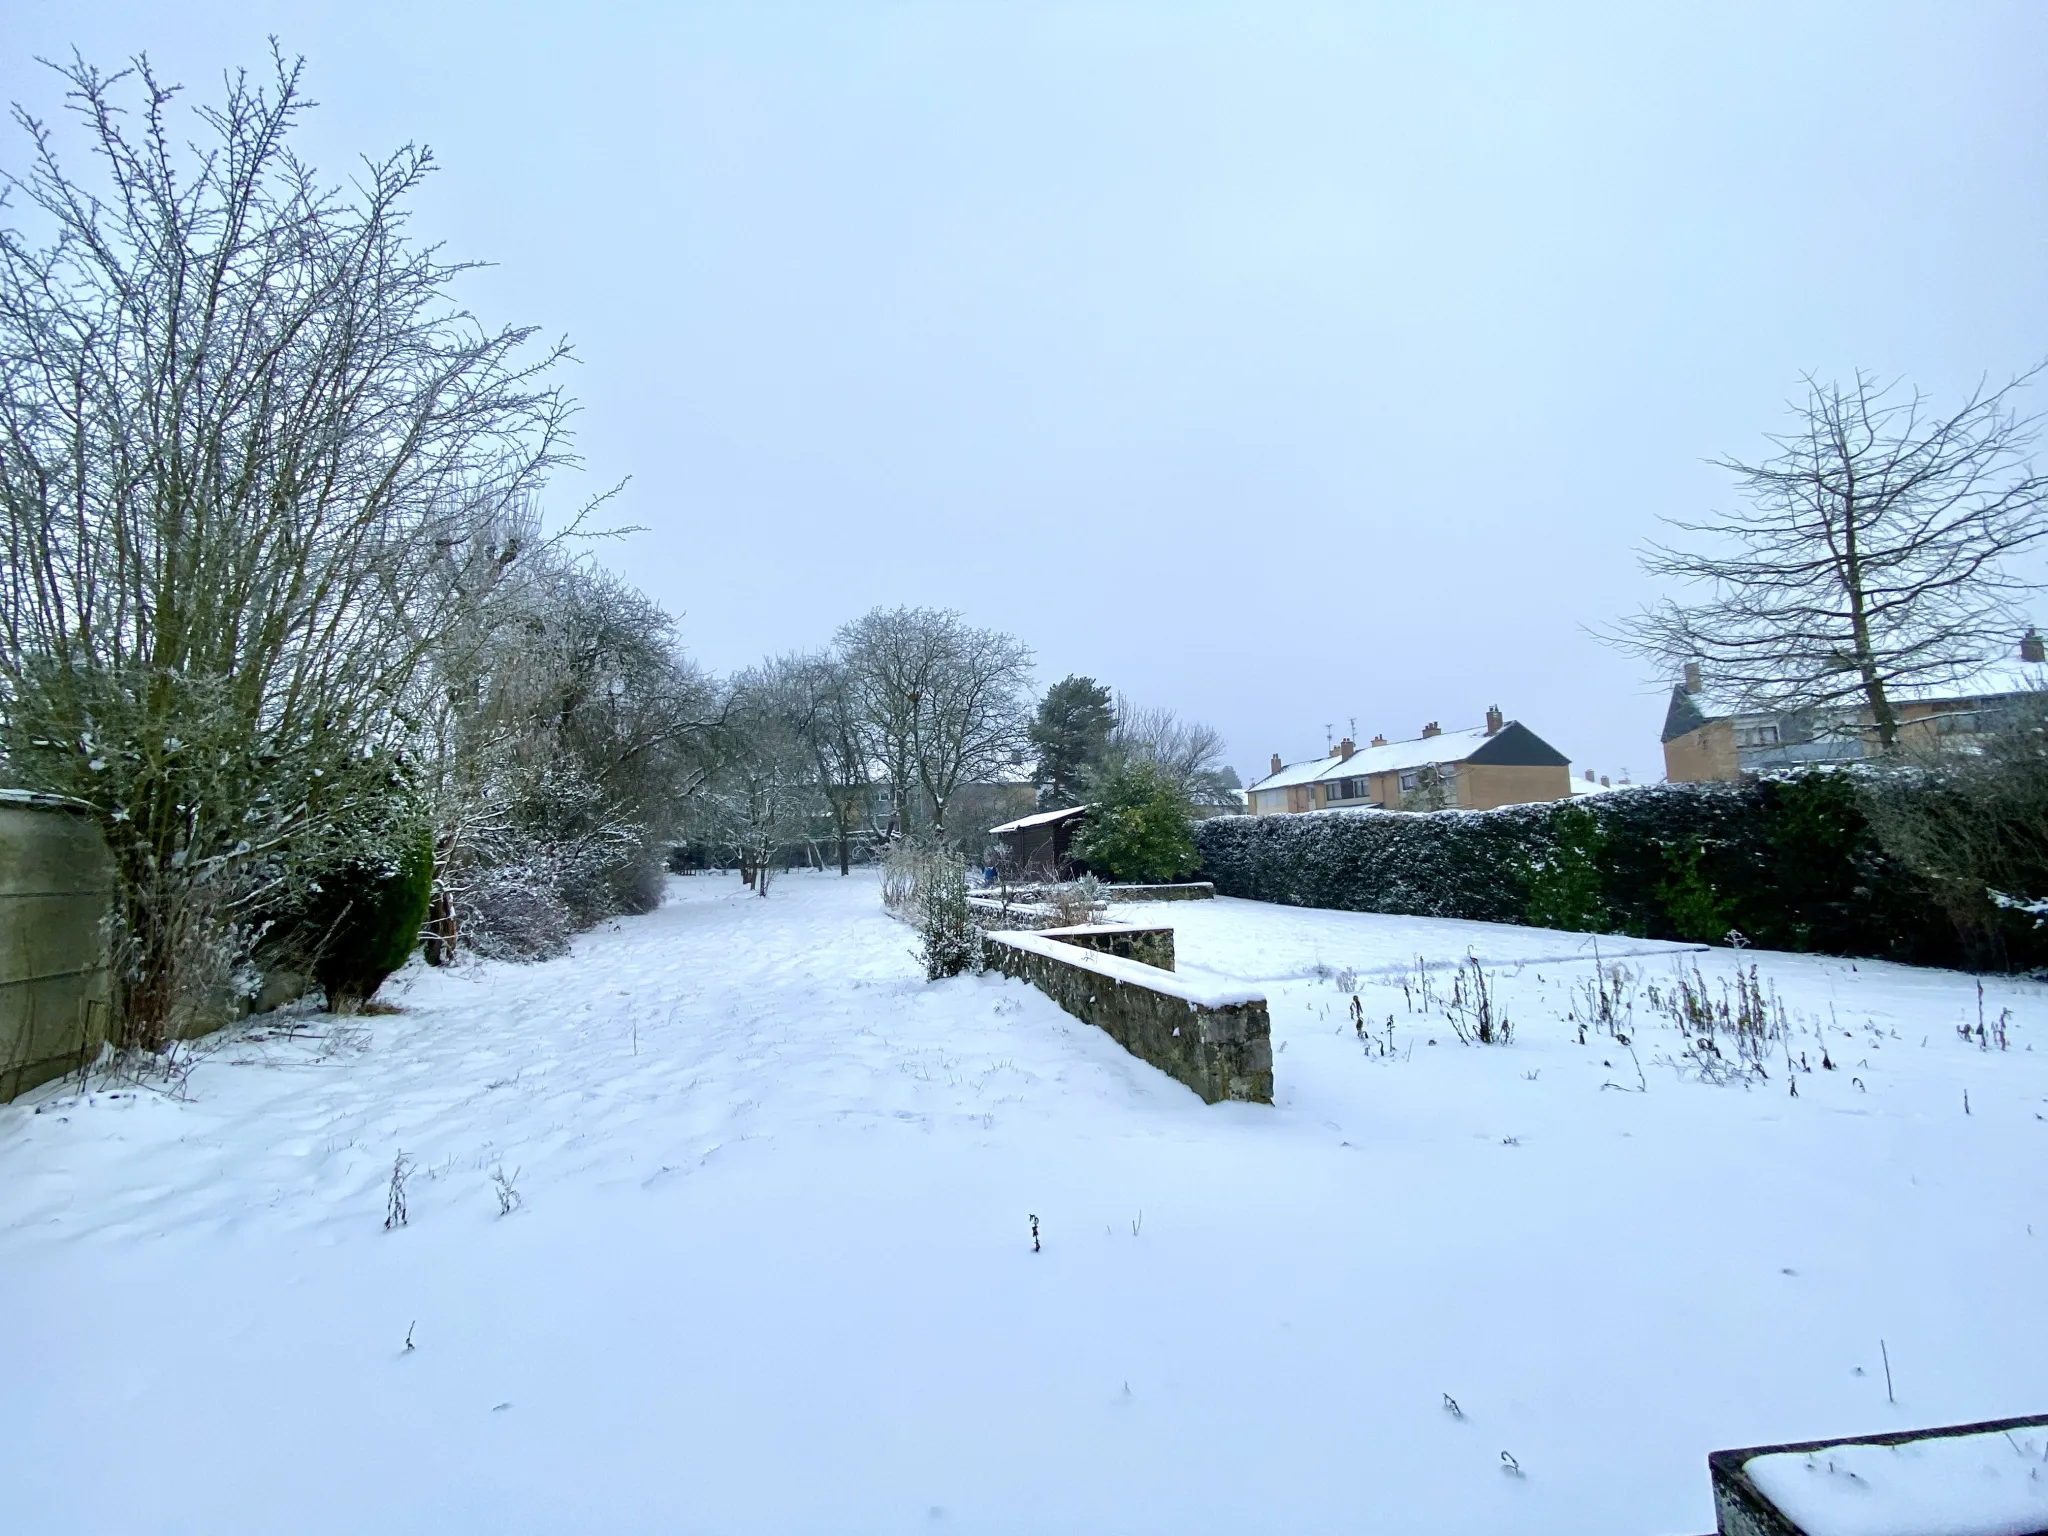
pixel 769 1266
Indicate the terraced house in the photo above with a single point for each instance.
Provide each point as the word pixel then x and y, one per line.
pixel 1500 763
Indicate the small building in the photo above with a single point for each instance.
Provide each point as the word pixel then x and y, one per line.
pixel 1500 763
pixel 1701 745
pixel 1037 846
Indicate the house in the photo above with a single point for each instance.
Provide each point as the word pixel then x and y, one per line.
pixel 1037 846
pixel 1500 763
pixel 1701 746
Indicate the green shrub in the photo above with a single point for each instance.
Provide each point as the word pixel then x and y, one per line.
pixel 1138 828
pixel 367 920
pixel 1565 884
pixel 1793 862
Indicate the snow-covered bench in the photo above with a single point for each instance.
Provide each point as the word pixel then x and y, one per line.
pixel 1215 1038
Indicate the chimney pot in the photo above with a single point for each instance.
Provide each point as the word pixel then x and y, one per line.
pixel 1432 729
pixel 1345 748
pixel 1692 677
pixel 1493 719
pixel 1277 764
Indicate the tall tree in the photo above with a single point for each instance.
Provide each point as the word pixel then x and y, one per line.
pixel 1070 734
pixel 940 701
pixel 1873 556
pixel 239 413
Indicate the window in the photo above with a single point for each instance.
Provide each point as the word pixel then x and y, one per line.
pixel 1756 736
pixel 1408 780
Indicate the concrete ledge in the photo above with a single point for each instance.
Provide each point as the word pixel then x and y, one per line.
pixel 1741 1508
pixel 1215 1038
pixel 1186 890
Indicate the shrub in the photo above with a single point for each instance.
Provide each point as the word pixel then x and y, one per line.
pixel 952 939
pixel 368 919
pixel 1792 862
pixel 1139 827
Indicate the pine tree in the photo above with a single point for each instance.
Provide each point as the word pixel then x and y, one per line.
pixel 1071 733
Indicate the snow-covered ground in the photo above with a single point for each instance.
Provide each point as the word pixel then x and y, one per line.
pixel 770 1266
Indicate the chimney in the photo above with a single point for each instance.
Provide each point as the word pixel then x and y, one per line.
pixel 1432 729
pixel 1692 677
pixel 2032 647
pixel 1589 775
pixel 1345 749
pixel 1277 764
pixel 1603 782
pixel 1492 719
pixel 1379 741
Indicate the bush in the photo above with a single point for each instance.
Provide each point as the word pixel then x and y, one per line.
pixel 1138 827
pixel 512 913
pixel 1791 862
pixel 952 939
pixel 367 920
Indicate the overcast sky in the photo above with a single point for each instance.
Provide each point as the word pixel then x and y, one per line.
pixel 1286 365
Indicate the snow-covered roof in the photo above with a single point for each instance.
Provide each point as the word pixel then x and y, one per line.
pixel 1042 818
pixel 1445 747
pixel 1995 680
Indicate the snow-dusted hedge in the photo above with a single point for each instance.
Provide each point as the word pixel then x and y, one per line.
pixel 1788 863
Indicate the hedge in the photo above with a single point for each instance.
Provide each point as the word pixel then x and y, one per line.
pixel 1788 863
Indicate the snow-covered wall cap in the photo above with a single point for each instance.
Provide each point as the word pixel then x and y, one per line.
pixel 1133 974
pixel 1042 818
pixel 38 798
pixel 1448 747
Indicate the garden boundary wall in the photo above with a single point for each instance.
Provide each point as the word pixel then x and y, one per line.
pixel 1215 1038
pixel 56 978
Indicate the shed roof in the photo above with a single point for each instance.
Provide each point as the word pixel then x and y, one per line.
pixel 1040 819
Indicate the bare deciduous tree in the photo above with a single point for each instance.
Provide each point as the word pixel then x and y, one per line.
pixel 1187 753
pixel 942 704
pixel 238 414
pixel 1873 557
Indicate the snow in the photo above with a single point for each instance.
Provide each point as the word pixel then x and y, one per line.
pixel 772 1268
pixel 1993 1484
pixel 1444 747
pixel 1210 994
pixel 1039 819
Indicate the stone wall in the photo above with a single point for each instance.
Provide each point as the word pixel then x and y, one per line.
pixel 1127 941
pixel 1217 1040
pixel 1185 890
pixel 56 887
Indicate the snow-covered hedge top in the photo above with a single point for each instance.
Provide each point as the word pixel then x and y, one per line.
pixel 1134 974
pixel 1992 1484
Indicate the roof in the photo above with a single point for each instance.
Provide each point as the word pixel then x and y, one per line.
pixel 1512 743
pixel 1993 684
pixel 1041 819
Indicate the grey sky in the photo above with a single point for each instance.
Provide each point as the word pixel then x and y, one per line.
pixel 1281 364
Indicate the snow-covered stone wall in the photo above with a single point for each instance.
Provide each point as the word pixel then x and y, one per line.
pixel 56 884
pixel 1216 1039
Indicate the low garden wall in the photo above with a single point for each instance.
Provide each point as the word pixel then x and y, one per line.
pixel 56 981
pixel 1181 890
pixel 1127 941
pixel 1217 1040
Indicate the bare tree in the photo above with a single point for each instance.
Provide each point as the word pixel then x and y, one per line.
pixel 760 795
pixel 1873 557
pixel 238 415
pixel 942 704
pixel 1187 753
pixel 814 695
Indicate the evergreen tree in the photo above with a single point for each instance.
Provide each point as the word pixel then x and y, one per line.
pixel 1139 828
pixel 1071 734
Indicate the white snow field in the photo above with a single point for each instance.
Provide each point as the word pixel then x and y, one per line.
pixel 770 1267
